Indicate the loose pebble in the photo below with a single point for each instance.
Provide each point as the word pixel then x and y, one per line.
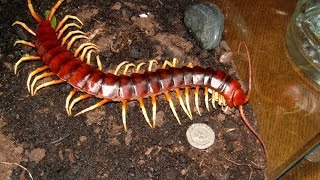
pixel 37 155
pixel 205 21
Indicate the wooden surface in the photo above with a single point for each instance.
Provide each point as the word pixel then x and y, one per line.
pixel 305 170
pixel 285 101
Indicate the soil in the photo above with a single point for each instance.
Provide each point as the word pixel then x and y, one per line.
pixel 37 133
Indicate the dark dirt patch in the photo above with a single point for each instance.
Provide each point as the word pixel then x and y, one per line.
pixel 94 145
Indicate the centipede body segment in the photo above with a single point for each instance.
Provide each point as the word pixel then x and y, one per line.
pixel 74 68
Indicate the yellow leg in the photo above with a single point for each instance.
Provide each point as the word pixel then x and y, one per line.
pixel 182 103
pixel 174 62
pixel 154 110
pixel 166 63
pixel 71 94
pixel 74 38
pixel 139 66
pixel 43 75
pixel 53 9
pixel 33 13
pixel 213 99
pixel 61 23
pixel 24 43
pixel 89 56
pixel 225 108
pixel 84 52
pixel 25 27
pixel 50 83
pixel 151 63
pixel 26 58
pixel 119 66
pixel 127 68
pixel 100 103
pixel 206 98
pixel 38 70
pixel 99 63
pixel 186 94
pixel 168 97
pixel 124 114
pixel 76 100
pixel 84 45
pixel 66 27
pixel 71 33
pixel 144 112
pixel 196 99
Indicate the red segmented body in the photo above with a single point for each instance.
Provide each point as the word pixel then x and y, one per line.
pixel 111 87
pixel 92 81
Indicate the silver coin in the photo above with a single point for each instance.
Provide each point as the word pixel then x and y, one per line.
pixel 200 135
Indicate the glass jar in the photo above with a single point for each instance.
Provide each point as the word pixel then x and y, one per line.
pixel 303 38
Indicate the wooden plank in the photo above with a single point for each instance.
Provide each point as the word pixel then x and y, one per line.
pixel 285 101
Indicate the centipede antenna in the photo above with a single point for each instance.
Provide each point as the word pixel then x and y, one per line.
pixel 154 110
pixel 98 104
pixel 25 27
pixel 33 13
pixel 71 94
pixel 124 114
pixel 41 76
pixel 144 112
pixel 38 70
pixel 50 83
pixel 25 58
pixel 24 43
pixel 168 97
pixel 61 23
pixel 246 121
pixel 250 70
pixel 53 9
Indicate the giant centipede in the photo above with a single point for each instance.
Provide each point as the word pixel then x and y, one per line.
pixel 52 49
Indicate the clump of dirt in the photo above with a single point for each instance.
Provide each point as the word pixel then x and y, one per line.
pixel 94 145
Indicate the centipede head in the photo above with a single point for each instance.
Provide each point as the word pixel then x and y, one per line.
pixel 239 97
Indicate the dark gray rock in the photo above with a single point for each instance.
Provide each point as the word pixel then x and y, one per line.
pixel 205 21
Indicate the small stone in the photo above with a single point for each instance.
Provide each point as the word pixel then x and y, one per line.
pixel 205 21
pixel 37 155
pixel 200 135
pixel 82 138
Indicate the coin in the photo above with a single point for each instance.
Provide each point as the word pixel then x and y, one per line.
pixel 200 135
